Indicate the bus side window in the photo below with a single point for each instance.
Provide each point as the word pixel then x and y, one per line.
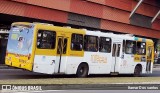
pixel 77 42
pixel 91 43
pixel 141 48
pixel 105 44
pixel 130 47
pixel 46 39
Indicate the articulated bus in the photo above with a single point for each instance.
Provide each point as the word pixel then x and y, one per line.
pixel 49 49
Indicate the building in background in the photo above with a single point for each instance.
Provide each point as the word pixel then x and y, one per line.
pixel 116 16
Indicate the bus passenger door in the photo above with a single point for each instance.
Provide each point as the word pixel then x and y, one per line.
pixel 61 54
pixel 116 48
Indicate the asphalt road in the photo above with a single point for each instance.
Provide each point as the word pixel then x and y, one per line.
pixel 23 74
pixel 6 74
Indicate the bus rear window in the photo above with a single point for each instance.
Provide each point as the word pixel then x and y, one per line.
pixel 46 39
pixel 20 40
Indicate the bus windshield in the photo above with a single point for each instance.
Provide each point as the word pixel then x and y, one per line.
pixel 20 40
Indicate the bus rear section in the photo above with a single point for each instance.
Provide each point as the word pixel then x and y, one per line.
pixel 41 48
pixel 19 48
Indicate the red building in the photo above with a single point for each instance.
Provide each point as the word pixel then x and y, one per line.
pixel 106 15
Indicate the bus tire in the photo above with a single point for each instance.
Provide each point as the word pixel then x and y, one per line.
pixel 82 70
pixel 137 71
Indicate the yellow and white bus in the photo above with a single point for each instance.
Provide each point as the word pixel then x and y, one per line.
pixel 49 49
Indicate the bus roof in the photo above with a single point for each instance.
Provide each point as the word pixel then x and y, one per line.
pixel 21 24
pixel 89 32
pixel 50 27
pixel 120 36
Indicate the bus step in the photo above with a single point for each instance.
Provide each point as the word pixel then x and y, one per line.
pixel 114 73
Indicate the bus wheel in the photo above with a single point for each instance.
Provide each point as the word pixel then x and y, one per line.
pixel 137 71
pixel 82 70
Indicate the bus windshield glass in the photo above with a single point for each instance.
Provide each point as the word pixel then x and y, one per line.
pixel 20 40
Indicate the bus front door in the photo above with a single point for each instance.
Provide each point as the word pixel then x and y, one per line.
pixel 149 59
pixel 115 57
pixel 61 54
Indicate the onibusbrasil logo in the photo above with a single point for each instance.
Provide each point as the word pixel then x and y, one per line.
pixel 21 87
